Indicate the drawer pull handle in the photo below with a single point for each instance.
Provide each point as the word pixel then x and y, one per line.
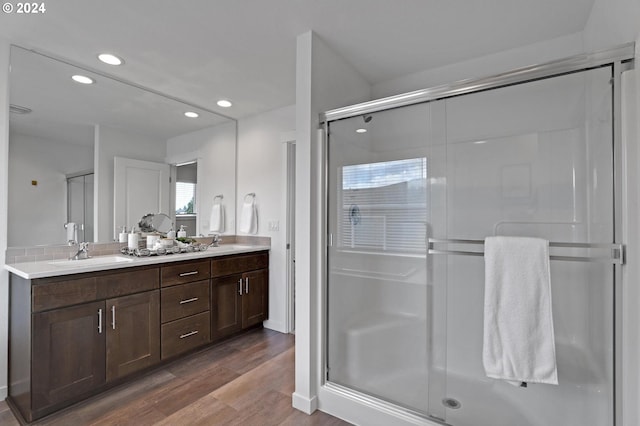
pixel 240 286
pixel 246 285
pixel 113 317
pixel 186 274
pixel 193 299
pixel 100 321
pixel 189 334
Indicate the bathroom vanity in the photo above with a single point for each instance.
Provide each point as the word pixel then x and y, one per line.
pixel 78 329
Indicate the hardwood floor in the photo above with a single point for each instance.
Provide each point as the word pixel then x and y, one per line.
pixel 244 381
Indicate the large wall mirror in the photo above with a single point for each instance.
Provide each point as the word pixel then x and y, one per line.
pixel 71 145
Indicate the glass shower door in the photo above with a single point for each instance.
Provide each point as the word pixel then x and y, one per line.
pixel 80 204
pixel 535 160
pixel 383 306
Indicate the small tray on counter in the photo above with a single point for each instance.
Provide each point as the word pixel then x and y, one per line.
pixel 176 249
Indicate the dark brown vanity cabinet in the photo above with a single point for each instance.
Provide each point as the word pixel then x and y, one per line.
pixel 75 335
pixel 86 331
pixel 239 292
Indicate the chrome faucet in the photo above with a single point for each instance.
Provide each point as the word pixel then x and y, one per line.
pixel 215 242
pixel 83 252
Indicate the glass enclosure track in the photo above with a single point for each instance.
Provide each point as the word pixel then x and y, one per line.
pixel 581 62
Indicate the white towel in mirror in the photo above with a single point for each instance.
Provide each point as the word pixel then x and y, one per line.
pixel 249 216
pixel 216 220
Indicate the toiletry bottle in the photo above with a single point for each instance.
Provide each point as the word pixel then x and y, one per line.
pixel 132 242
pixel 171 234
pixel 122 236
pixel 182 233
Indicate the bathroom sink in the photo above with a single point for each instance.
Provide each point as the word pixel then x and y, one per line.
pixel 99 260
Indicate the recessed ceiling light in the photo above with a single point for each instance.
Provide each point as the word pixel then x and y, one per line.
pixel 82 79
pixel 110 59
pixel 361 130
pixel 191 114
pixel 224 103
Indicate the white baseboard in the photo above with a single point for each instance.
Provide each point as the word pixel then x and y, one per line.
pixel 275 325
pixel 3 393
pixel 304 404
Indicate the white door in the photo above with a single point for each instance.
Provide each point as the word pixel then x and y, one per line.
pixel 140 187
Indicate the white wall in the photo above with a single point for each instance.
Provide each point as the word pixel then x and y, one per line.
pixel 323 81
pixel 507 60
pixel 4 190
pixel 612 22
pixel 110 143
pixel 215 150
pixel 37 213
pixel 262 169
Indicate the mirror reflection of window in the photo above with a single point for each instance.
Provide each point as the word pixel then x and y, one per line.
pixel 186 207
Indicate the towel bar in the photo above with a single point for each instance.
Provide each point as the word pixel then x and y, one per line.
pixel 617 252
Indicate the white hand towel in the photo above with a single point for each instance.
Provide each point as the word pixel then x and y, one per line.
pixel 216 220
pixel 72 232
pixel 519 343
pixel 249 218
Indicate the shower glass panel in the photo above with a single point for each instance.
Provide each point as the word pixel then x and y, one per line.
pixel 536 160
pixel 80 204
pixel 406 327
pixel 382 307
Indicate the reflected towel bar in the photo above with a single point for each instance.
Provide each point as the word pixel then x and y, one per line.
pixel 617 255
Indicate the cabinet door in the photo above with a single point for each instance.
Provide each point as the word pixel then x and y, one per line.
pixel 226 306
pixel 133 333
pixel 255 298
pixel 68 353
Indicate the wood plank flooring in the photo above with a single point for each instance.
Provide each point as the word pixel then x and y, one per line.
pixel 244 381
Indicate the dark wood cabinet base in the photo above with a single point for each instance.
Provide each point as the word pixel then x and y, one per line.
pixel 75 336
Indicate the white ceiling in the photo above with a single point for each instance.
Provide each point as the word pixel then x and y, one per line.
pixel 244 50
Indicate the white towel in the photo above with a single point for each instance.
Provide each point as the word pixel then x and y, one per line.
pixel 216 220
pixel 249 217
pixel 72 232
pixel 519 343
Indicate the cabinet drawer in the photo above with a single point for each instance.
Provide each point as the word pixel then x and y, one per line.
pixel 183 300
pixel 128 282
pixel 238 264
pixel 184 272
pixel 63 293
pixel 185 334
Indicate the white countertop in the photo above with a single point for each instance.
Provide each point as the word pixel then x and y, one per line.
pixel 54 268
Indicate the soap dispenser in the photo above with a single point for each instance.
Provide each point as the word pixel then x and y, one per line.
pixel 122 236
pixel 171 234
pixel 182 233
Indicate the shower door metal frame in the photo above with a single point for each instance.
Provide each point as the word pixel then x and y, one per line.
pixel 619 58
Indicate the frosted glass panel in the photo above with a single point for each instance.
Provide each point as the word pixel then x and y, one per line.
pixel 533 160
pixel 381 304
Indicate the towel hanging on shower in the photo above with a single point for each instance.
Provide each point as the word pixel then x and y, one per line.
pixel 519 342
pixel 249 215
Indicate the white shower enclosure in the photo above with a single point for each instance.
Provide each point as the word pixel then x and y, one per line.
pixel 412 191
